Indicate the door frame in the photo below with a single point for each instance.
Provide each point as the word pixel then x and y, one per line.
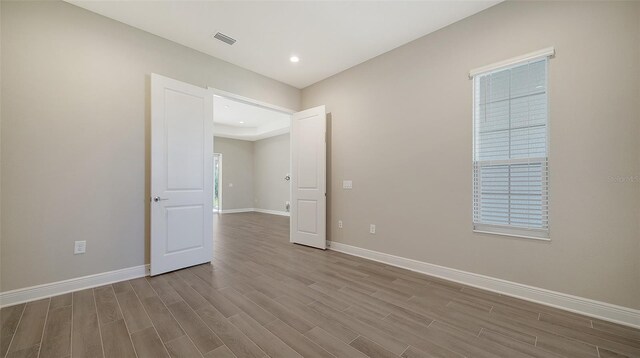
pixel 219 155
pixel 255 102
pixel 220 93
pixel 236 97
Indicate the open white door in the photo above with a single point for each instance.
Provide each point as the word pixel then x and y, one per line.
pixel 181 175
pixel 308 178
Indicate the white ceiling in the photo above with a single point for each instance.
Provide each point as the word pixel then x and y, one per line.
pixel 328 36
pixel 239 120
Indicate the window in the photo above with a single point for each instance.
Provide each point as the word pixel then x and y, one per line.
pixel 510 149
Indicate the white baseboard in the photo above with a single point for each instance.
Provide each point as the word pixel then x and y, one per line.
pixel 588 307
pixel 248 210
pixel 233 211
pixel 33 293
pixel 272 212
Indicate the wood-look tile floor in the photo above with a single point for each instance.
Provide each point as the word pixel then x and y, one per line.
pixel 263 296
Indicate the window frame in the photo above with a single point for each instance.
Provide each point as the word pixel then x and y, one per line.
pixel 512 230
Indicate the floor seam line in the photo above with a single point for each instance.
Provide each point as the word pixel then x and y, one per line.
pixel 249 338
pixel 17 326
pixel 121 311
pixel 95 306
pixel 71 333
pixel 150 320
pixel 44 327
pixel 174 318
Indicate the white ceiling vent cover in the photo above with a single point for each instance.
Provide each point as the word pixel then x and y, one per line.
pixel 224 38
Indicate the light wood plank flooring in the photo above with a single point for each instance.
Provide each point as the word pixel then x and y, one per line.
pixel 265 297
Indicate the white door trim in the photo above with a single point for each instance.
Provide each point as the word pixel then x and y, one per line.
pixel 255 102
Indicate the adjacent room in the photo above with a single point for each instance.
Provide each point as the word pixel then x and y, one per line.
pixel 251 158
pixel 319 179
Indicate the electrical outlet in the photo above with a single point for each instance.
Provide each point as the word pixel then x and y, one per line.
pixel 80 247
pixel 339 224
pixel 347 184
pixel 372 229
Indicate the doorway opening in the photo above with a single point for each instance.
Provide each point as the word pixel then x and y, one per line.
pixel 275 163
pixel 255 142
pixel 183 129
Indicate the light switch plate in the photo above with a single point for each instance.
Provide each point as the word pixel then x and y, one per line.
pixel 80 247
pixel 372 229
pixel 347 184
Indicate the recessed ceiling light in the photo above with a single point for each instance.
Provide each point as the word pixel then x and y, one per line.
pixel 294 59
pixel 241 122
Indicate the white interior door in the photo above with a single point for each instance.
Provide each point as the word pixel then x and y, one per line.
pixel 181 175
pixel 308 178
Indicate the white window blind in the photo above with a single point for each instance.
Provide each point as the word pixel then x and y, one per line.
pixel 510 151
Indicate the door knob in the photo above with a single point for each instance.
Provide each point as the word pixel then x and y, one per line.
pixel 157 199
pixel 287 178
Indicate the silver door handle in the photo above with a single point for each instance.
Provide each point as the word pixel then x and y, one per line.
pixel 157 199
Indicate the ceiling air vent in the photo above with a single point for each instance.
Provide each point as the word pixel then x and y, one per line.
pixel 224 38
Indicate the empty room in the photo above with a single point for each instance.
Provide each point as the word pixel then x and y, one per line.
pixel 446 178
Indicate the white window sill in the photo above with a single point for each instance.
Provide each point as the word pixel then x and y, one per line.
pixel 542 235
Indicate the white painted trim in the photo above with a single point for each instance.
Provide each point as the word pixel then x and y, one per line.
pixel 237 97
pixel 272 212
pixel 249 210
pixel 588 307
pixel 546 52
pixel 234 211
pixel 253 137
pixel 33 293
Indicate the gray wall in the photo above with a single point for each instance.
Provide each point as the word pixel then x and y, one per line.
pixel 237 169
pixel 257 170
pixel 75 136
pixel 270 166
pixel 75 139
pixel 401 130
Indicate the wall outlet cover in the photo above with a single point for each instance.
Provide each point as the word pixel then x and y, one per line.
pixel 80 247
pixel 372 229
pixel 347 184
